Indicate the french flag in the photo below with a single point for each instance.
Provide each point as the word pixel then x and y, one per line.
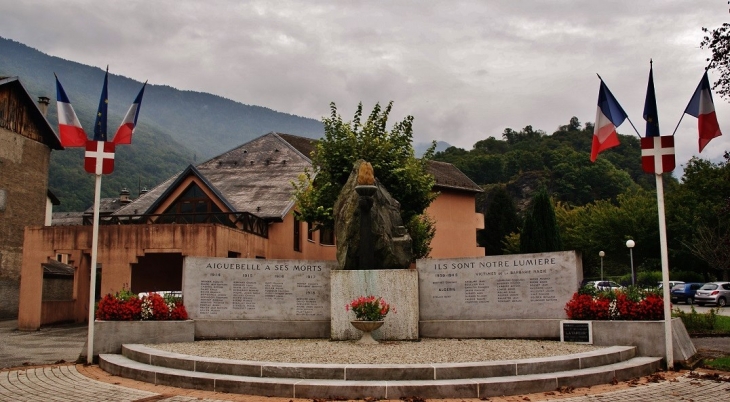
pixel 72 135
pixel 608 116
pixel 126 129
pixel 702 107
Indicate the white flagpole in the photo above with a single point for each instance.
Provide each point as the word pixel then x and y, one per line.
pixel 665 272
pixel 92 284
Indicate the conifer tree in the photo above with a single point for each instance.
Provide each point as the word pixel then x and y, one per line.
pixel 540 233
pixel 499 221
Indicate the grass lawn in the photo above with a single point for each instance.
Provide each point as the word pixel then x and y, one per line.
pixel 722 325
pixel 721 363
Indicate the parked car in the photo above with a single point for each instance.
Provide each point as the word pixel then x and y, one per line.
pixel 684 292
pixel 713 292
pixel 672 284
pixel 605 285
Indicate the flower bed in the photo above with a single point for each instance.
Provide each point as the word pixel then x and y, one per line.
pixel 633 304
pixel 126 306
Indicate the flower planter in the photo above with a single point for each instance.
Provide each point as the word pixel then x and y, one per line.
pixel 367 327
pixel 109 336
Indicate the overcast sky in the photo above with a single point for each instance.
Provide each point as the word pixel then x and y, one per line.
pixel 466 70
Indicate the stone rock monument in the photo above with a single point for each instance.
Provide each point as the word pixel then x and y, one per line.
pixel 368 226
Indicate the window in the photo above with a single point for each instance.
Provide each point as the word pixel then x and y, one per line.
pixel 310 233
pixel 297 235
pixel 327 236
pixel 233 254
pixel 194 203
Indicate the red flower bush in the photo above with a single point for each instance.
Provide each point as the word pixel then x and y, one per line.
pixel 618 306
pixel 125 306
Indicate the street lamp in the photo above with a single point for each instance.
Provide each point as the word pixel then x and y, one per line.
pixel 630 244
pixel 601 254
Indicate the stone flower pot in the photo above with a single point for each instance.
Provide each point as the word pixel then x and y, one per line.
pixel 367 327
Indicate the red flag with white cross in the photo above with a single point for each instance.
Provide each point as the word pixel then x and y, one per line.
pixel 657 154
pixel 99 157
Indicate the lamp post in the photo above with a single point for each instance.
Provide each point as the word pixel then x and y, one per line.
pixel 630 244
pixel 601 254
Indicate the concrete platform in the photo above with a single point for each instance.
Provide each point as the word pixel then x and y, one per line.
pixel 457 380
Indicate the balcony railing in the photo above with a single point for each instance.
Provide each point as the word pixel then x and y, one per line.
pixel 240 220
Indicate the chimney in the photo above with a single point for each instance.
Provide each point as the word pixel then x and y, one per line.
pixel 124 197
pixel 143 191
pixel 43 102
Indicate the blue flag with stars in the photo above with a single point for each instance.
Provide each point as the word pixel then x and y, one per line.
pixel 650 113
pixel 100 124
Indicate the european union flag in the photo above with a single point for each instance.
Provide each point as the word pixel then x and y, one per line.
pixel 100 124
pixel 650 113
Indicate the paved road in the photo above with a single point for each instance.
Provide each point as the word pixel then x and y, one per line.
pixel 68 382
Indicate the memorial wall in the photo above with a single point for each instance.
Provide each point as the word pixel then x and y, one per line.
pixel 519 286
pixel 255 289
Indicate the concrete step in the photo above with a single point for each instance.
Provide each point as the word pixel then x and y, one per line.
pixel 478 387
pixel 379 372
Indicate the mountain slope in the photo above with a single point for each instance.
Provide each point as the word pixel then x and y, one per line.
pixel 175 128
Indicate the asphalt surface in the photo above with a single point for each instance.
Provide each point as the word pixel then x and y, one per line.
pixel 35 366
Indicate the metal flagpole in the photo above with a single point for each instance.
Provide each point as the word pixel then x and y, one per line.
pixel 665 272
pixel 92 284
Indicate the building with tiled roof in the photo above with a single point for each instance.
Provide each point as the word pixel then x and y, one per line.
pixel 26 142
pixel 238 204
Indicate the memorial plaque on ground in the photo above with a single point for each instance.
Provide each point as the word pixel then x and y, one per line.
pixel 576 331
pixel 256 289
pixel 518 286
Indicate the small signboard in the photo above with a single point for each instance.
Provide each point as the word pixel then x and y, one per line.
pixel 576 331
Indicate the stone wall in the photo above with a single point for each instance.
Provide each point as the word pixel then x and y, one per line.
pixel 24 182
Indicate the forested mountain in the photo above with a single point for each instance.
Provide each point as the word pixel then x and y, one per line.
pixel 524 160
pixel 175 127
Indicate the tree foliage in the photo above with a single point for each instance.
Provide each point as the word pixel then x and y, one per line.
pixel 391 154
pixel 500 221
pixel 540 232
pixel 718 41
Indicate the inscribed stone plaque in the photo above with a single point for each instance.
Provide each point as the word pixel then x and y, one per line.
pixel 498 287
pixel 576 331
pixel 256 289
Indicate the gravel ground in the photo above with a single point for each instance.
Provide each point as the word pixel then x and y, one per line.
pixel 348 352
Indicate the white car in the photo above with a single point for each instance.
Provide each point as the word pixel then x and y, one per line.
pixel 605 285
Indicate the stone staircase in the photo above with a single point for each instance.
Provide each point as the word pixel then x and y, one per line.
pixel 381 381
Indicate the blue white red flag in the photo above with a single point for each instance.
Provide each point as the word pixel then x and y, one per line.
pixel 608 116
pixel 650 112
pixel 101 114
pixel 126 129
pixel 99 157
pixel 69 127
pixel 702 107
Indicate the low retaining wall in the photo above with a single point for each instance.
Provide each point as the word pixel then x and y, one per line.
pixel 255 329
pixel 647 336
pixel 109 336
pixel 517 329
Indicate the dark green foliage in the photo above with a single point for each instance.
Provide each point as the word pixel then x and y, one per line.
pixel 391 154
pixel 696 322
pixel 563 158
pixel 540 233
pixel 499 221
pixel 718 41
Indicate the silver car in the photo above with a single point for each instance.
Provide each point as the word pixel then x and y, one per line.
pixel 713 292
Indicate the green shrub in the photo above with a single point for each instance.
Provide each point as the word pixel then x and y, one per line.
pixel 648 278
pixel 687 276
pixel 696 322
